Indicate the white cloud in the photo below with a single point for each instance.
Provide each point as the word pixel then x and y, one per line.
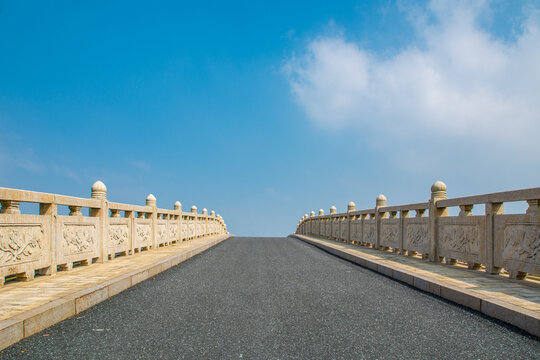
pixel 458 80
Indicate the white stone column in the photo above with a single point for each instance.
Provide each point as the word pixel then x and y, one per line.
pixel 99 192
pixel 350 207
pixel 178 209
pixel 438 192
pixel 152 203
pixel 379 202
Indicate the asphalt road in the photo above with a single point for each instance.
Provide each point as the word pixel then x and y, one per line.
pixel 274 298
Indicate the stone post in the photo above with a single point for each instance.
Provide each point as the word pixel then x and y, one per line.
pixel 99 192
pixel 205 222
pixel 333 210
pixel 379 202
pixel 350 207
pixel 178 209
pixel 438 192
pixel 403 214
pixel 492 209
pixel 50 210
pixel 195 221
pixel 152 203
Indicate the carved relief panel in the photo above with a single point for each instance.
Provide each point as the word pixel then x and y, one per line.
pixel 20 243
pixel 25 243
pixel 415 234
pixel 118 236
pixel 191 228
pixel 143 234
pixel 344 229
pixel 461 238
pixel 517 242
pixel 78 239
pixel 356 230
pixel 335 228
pixel 161 232
pixel 369 232
pixel 390 233
pixel 185 232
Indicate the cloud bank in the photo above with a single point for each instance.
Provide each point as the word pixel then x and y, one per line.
pixel 457 79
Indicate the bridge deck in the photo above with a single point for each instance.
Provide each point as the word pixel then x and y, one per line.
pixel 274 298
pixel 29 307
pixel 514 301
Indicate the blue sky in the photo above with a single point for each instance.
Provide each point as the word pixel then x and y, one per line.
pixel 265 110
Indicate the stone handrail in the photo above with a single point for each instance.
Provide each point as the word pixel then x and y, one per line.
pixel 48 242
pixel 494 240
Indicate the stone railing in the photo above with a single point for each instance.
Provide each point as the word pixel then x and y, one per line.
pixel 493 241
pixel 33 244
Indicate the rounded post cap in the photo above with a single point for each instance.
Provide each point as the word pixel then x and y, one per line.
pixel 381 200
pixel 193 209
pixel 177 205
pixel 333 210
pixel 213 213
pixel 321 212
pixel 438 186
pixel 438 190
pixel 312 214
pixel 351 206
pixel 204 211
pixel 99 190
pixel 151 200
pixel 99 186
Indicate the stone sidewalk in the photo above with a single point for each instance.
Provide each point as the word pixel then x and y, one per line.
pixel 516 302
pixel 29 307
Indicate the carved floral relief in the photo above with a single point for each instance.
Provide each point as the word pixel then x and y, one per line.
pixel 20 243
pixel 522 242
pixel 191 229
pixel 173 230
pixel 184 230
pixel 78 238
pixel 460 238
pixel 143 233
pixel 118 234
pixel 162 233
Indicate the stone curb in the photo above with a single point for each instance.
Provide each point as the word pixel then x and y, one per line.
pixel 524 319
pixel 33 321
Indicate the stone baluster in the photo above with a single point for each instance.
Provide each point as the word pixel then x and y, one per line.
pixel 75 211
pixel 10 207
pixel 115 213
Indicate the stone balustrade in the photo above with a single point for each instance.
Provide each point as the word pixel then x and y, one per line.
pixel 33 244
pixel 493 241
